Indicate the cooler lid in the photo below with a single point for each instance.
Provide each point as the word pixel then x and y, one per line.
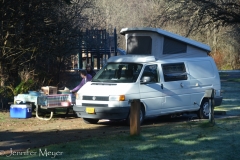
pixel 20 106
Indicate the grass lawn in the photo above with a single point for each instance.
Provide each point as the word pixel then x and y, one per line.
pixel 235 80
pixel 231 98
pixel 185 140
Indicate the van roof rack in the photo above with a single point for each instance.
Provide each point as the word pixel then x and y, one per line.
pixel 132 59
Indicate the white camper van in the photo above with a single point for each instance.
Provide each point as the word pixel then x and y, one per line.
pixel 167 72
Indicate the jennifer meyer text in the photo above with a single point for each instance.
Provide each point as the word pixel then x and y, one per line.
pixel 41 153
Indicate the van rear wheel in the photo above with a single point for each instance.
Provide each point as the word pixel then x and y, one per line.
pixel 203 112
pixel 90 121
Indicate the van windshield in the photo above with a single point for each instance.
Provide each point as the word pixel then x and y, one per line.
pixel 118 73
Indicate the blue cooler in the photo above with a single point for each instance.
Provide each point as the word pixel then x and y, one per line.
pixel 20 111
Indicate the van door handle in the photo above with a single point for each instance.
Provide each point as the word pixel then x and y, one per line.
pixel 162 86
pixel 182 85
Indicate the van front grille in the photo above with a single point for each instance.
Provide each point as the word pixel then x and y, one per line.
pixel 96 98
pixel 94 105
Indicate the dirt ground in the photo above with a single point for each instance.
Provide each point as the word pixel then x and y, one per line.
pixel 21 134
pixel 31 133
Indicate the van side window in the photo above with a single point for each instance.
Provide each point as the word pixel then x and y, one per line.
pixel 139 45
pixel 179 47
pixel 152 72
pixel 174 72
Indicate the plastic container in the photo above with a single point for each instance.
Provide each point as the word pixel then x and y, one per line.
pixel 20 111
pixel 34 93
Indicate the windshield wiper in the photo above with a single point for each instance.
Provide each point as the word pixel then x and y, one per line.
pixel 96 80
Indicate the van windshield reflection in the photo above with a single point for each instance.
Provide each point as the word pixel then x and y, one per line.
pixel 118 73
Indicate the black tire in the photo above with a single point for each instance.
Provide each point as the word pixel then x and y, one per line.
pixel 142 116
pixel 90 121
pixel 166 117
pixel 203 112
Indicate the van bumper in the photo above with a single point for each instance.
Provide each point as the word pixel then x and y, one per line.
pixel 218 100
pixel 113 113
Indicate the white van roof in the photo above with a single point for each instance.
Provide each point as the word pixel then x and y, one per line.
pixel 167 34
pixel 132 59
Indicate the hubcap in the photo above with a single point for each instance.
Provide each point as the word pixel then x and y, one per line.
pixel 206 109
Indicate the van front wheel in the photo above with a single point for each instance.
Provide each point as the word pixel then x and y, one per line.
pixel 90 121
pixel 203 112
pixel 141 116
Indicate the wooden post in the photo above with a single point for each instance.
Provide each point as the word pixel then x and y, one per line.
pixel 134 117
pixel 115 41
pixel 211 108
pixel 209 93
pixel 80 52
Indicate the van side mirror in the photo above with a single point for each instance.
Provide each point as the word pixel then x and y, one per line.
pixel 145 79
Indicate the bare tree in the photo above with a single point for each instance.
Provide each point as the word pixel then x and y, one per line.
pixel 37 36
pixel 209 21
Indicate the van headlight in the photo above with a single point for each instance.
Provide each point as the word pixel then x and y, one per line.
pixel 78 96
pixel 117 98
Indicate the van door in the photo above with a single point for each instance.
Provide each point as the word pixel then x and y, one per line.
pixel 202 77
pixel 176 91
pixel 150 91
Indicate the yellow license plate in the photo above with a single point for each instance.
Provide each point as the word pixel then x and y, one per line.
pixel 90 110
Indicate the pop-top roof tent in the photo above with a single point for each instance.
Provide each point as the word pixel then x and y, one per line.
pixel 161 44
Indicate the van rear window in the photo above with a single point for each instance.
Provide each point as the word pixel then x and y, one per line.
pixel 174 72
pixel 200 69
